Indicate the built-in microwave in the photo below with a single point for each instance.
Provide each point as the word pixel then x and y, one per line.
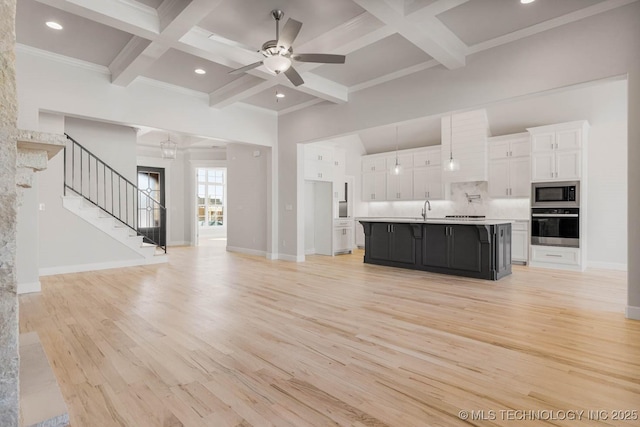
pixel 555 194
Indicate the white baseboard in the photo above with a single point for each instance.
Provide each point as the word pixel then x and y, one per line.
pixel 310 251
pixel 65 269
pixel 27 288
pixel 272 255
pixel 292 258
pixel 179 243
pixel 247 251
pixel 607 265
pixel 632 312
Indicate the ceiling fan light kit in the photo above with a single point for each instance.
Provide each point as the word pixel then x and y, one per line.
pixel 279 53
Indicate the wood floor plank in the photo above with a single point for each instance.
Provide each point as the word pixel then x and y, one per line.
pixel 214 338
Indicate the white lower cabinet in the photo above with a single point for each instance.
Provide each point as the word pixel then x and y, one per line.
pixel 555 257
pixel 342 236
pixel 520 242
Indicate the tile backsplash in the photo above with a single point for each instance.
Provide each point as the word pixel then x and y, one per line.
pixel 459 203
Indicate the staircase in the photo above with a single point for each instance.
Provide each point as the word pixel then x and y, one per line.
pixel 98 194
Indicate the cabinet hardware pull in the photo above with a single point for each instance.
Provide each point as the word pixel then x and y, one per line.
pixel 553 255
pixel 507 190
pixel 552 145
pixel 556 145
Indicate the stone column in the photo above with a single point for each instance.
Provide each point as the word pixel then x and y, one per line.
pixel 9 396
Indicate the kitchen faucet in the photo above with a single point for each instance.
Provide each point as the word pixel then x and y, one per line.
pixel 424 209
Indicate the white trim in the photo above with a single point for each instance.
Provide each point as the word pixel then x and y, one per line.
pixel 67 60
pixel 246 251
pixel 169 86
pixel 394 75
pixel 141 7
pixel 272 256
pixel 632 312
pixel 300 106
pixel 65 269
pixel 179 243
pixel 310 251
pixel 27 288
pixel 619 266
pixel 256 108
pixel 293 258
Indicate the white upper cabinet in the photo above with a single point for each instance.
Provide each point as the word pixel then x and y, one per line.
pixel 509 166
pixel 558 151
pixel 429 156
pixel 427 173
pixel 374 164
pixel 374 186
pixel 339 173
pixel 318 163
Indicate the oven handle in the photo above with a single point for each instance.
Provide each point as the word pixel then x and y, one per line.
pixel 554 215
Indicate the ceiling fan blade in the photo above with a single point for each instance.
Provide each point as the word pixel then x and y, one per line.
pixel 246 68
pixel 289 33
pixel 320 58
pixel 293 76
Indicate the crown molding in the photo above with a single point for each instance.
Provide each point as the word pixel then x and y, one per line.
pixel 300 106
pixel 67 60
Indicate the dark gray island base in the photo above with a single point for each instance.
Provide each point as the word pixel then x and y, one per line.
pixel 480 249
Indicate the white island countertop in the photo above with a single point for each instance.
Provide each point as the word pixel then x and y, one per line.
pixel 419 220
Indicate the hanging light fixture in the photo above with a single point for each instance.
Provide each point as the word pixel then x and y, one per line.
pixel 168 148
pixel 453 164
pixel 397 169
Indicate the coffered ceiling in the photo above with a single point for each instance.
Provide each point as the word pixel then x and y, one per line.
pixel 383 40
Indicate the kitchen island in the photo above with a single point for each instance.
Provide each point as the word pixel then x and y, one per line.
pixel 478 248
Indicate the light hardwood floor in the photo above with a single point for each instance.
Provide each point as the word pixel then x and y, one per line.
pixel 221 339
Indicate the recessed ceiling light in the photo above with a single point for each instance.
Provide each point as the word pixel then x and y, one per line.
pixel 200 71
pixel 54 25
pixel 526 1
pixel 279 95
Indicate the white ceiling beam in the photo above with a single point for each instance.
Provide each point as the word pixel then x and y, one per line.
pixel 238 90
pixel 176 18
pixel 435 8
pixel 129 16
pixel 434 41
pixel 300 106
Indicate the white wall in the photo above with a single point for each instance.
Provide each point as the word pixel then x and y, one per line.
pixel 73 88
pixel 247 207
pixel 65 240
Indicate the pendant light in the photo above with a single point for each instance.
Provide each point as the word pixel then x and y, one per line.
pixel 168 148
pixel 452 165
pixel 397 169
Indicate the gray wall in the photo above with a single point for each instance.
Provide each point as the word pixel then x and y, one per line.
pixel 591 49
pixel 247 188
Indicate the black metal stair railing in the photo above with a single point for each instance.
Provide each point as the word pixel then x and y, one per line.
pixel 98 183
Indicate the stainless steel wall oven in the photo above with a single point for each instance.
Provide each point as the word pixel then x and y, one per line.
pixel 555 227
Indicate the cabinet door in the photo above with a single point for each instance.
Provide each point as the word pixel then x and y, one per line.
pixel 543 166
pixel 368 186
pixel 520 147
pixel 405 185
pixel 466 250
pixel 499 178
pixel 339 159
pixel 519 245
pixel 341 239
pixel 420 183
pixel 544 141
pixel 373 164
pixel 380 185
pixel 393 185
pixel 519 177
pixel 569 139
pixel 435 248
pixel 568 164
pixel 379 241
pixel 402 244
pixel 498 150
pixel 434 181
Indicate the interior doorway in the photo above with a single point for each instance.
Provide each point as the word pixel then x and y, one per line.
pixel 152 220
pixel 211 202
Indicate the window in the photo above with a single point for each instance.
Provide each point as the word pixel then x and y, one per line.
pixel 211 197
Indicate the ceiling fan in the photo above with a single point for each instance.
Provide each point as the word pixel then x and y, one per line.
pixel 279 54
